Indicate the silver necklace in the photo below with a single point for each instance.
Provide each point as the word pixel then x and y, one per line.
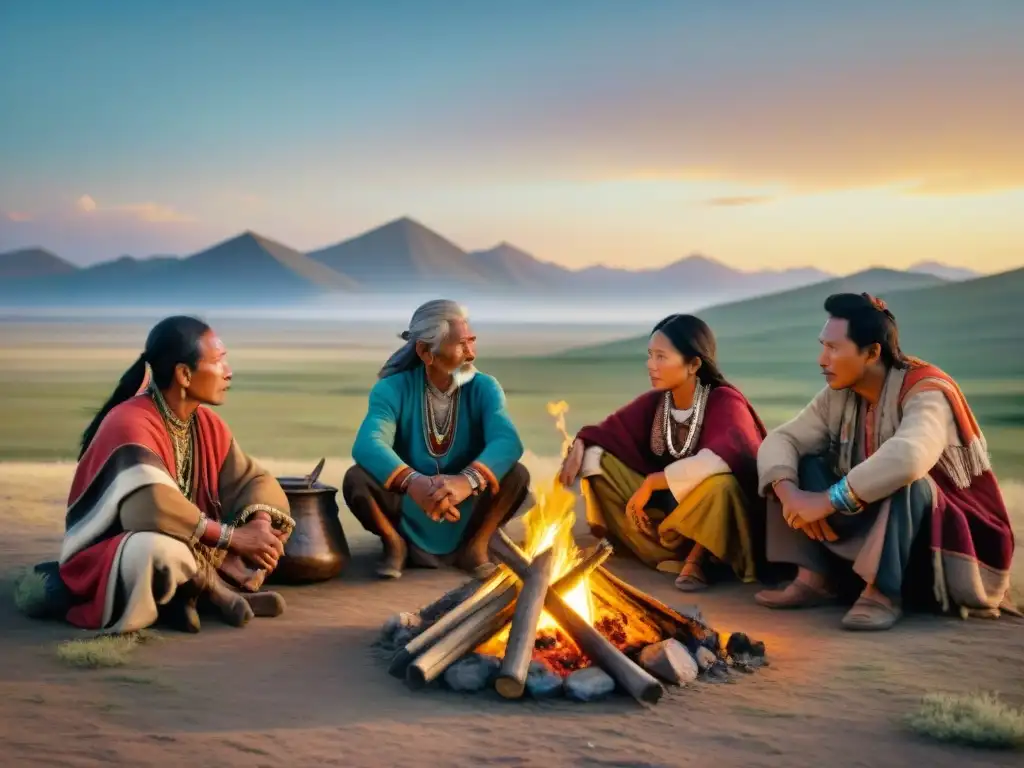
pixel 436 436
pixel 700 396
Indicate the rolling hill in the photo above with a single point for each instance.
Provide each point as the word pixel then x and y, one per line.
pixel 944 271
pixel 973 328
pixel 777 312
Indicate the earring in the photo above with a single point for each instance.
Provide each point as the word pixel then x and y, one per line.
pixel 184 394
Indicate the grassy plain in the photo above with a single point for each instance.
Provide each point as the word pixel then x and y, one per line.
pixel 300 390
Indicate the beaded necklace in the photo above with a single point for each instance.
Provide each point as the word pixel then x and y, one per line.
pixel 182 435
pixel 439 437
pixel 700 399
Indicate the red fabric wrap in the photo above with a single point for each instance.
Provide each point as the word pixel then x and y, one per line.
pixel 135 422
pixel 971 522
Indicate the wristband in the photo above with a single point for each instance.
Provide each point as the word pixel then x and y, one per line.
pixel 843 499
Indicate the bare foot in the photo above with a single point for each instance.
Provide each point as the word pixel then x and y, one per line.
pixel 395 554
pixel 265 604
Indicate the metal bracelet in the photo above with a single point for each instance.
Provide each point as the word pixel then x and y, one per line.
pixel 842 499
pixel 474 478
pixel 404 486
pixel 224 540
pixel 201 526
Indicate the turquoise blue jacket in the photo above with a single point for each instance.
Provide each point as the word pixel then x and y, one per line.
pixel 391 438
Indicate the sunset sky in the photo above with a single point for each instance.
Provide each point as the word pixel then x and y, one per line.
pixel 763 134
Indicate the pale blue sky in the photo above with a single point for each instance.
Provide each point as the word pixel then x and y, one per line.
pixel 760 133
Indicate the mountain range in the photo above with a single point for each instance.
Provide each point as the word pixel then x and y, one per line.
pixel 400 257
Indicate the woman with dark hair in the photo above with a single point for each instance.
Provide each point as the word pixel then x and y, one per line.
pixel 673 474
pixel 164 502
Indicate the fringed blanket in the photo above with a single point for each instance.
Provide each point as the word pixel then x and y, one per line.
pixel 972 540
pixel 131 450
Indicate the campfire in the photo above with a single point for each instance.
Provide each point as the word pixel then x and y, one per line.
pixel 552 619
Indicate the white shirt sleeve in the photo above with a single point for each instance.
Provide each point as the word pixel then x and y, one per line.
pixel 686 474
pixel 592 461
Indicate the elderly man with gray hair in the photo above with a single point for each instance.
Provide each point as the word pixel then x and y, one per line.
pixel 437 457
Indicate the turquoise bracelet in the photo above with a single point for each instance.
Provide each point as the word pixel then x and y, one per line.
pixel 843 499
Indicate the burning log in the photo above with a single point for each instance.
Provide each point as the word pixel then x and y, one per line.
pixel 634 679
pixel 499 588
pixel 492 613
pixel 510 554
pixel 511 680
pixel 491 617
pixel 689 631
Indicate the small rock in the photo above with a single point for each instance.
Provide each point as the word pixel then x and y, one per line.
pixel 402 637
pixel 705 658
pixel 410 621
pixel 589 684
pixel 472 673
pixel 738 644
pixel 541 682
pixel 757 649
pixel 670 661
pixel 713 642
pixel 717 672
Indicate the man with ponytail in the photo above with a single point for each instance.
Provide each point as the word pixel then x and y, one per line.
pixel 887 470
pixel 164 503
pixel 437 457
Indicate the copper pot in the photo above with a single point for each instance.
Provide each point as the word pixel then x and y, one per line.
pixel 317 549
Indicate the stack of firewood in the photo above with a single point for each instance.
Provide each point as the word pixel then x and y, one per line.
pixel 517 594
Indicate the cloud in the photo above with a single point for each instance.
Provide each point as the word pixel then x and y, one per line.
pixel 150 213
pixel 85 204
pixel 154 213
pixel 738 200
pixel 18 216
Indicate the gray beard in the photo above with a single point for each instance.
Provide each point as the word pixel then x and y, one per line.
pixel 464 374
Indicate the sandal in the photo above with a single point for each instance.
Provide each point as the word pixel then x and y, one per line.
pixel 871 615
pixel 798 594
pixel 691 578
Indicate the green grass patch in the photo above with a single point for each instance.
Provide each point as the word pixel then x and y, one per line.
pixel 977 720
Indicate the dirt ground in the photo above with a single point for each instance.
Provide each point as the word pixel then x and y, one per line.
pixel 306 689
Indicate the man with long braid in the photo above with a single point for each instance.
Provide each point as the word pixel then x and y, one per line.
pixel 164 503
pixel 437 457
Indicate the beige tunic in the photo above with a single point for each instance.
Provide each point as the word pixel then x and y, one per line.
pixel 925 430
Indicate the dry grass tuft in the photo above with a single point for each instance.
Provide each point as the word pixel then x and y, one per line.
pixel 976 720
pixel 101 652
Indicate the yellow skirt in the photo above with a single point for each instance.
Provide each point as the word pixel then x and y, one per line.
pixel 713 514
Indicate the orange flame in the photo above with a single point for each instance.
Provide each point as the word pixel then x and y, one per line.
pixel 549 525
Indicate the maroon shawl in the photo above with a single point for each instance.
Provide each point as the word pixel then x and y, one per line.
pixel 732 430
pixel 972 537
